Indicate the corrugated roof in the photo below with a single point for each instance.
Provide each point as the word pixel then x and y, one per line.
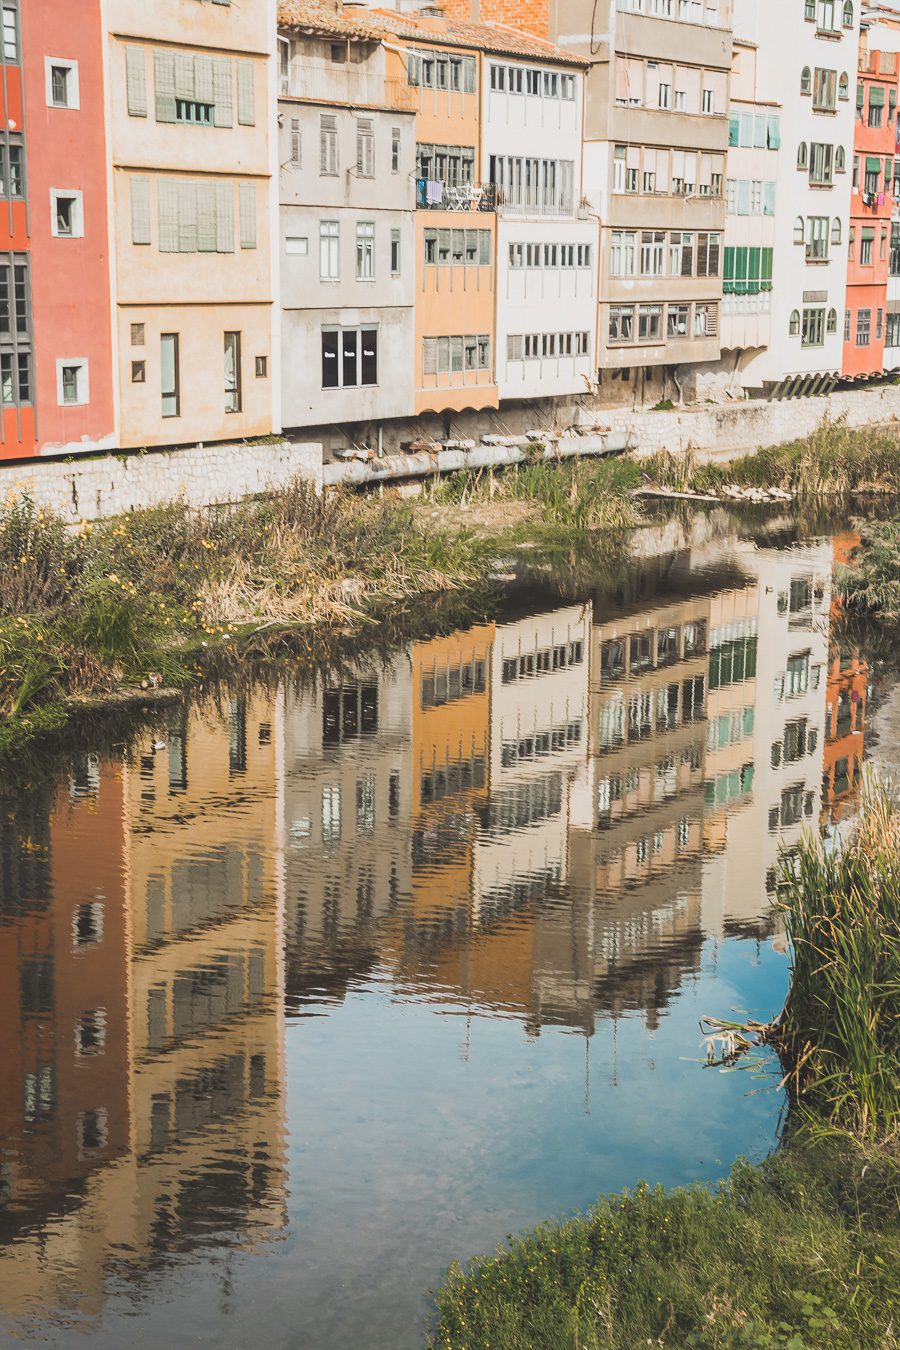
pixel 373 24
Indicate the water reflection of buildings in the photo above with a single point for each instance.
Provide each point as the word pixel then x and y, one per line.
pixel 847 695
pixel 141 1054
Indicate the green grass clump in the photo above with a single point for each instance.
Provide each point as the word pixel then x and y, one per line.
pixel 840 1035
pixel 801 1252
pixel 872 583
pixel 572 494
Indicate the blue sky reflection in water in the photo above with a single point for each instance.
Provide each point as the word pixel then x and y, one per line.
pixel 332 987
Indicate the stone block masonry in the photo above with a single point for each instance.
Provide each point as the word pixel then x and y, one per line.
pixel 204 475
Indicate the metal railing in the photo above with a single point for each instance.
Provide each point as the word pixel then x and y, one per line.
pixel 324 83
pixel 432 194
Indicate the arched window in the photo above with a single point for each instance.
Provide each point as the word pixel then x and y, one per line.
pixel 840 159
pixel 799 231
pixel 802 160
pixel 806 80
pixel 832 321
pixel 809 10
pixel 836 230
pixel 844 86
pixel 848 14
pixel 794 326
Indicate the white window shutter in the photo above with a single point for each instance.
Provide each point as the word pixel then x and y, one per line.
pixel 225 217
pixel 140 211
pixel 222 84
pixel 248 215
pixel 184 75
pixel 207 233
pixel 246 93
pixel 167 211
pixel 429 356
pixel 203 80
pixel 136 81
pixel 187 216
pixel 164 80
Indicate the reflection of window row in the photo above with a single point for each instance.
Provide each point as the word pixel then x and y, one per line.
pixel 728 787
pixel 796 802
pixel 650 713
pixel 846 714
pixel 733 661
pixel 454 681
pixel 522 890
pixel 656 647
pixel 542 661
pixel 729 728
pixel 799 740
pixel 349 712
pixel 205 997
pixel 214 1092
pixel 643 858
pixel 635 934
pixel 523 804
pixel 664 785
pixel 207 889
pixel 540 743
pixel 442 842
pixel 839 779
pixel 40 1095
pixel 459 775
pixel 799 677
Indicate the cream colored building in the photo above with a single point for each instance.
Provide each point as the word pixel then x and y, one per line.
pixel 190 109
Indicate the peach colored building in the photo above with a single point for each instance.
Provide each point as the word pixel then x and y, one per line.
pixel 189 91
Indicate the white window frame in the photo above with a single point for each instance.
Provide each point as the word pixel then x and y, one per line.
pixel 74 96
pixel 84 391
pixel 77 231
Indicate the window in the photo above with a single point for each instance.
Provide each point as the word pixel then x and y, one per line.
pixel 817 237
pixel 328 146
pixel 365 250
pixel 892 331
pixel 72 381
pixel 832 321
pixel 12 182
pixel 813 333
pixel 365 147
pixel 66 219
pixel 653 244
pixel 794 323
pixel 705 320
pixel 395 253
pixel 821 159
pixel 649 323
pixel 138 372
pixel 622 253
pixel 840 160
pixel 62 83
pixel 621 323
pixel 232 372
pixel 296 142
pixel 349 357
pixel 169 375
pixel 678 323
pixel 876 106
pixel 844 86
pixel 329 250
pixel 863 327
pixel 797 677
pixel 848 14
pixel 90 1033
pixel 802 156
pixel 138 334
pixel 10 35
pixel 297 244
pixel 395 149
pixel 452 355
pixel 262 367
pixel 806 80
pixel 681 254
pixel 865 247
pixel 826 17
pixel 707 255
pixel 191 111
pixel 825 90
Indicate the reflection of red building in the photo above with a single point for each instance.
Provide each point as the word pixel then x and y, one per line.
pixel 870 208
pixel 846 694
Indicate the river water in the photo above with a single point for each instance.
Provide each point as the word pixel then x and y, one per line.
pixel 317 987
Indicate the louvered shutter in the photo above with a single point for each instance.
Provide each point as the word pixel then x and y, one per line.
pixel 203 80
pixel 167 211
pixel 207 237
pixel 225 217
pixel 429 356
pixel 164 82
pixel 184 76
pixel 187 217
pixel 248 215
pixel 136 81
pixel 222 85
pixel 140 211
pixel 246 93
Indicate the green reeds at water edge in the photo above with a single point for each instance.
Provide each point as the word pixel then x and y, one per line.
pixel 839 1035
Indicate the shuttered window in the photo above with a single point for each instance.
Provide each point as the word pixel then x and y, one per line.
pixel 365 147
pixel 222 91
pixel 189 88
pixel 164 85
pixel 136 81
pixel 248 215
pixel 328 149
pixel 197 216
pixel 246 94
pixel 140 211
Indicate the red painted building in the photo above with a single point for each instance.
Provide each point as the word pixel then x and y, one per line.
pixel 871 200
pixel 16 327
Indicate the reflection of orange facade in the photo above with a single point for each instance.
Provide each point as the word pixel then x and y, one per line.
pixel 846 694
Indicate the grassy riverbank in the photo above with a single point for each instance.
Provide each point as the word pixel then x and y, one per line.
pixel 800 1252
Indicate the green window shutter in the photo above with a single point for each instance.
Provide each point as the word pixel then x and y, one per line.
pixel 876 96
pixel 167 211
pixel 136 81
pixel 868 233
pixel 753 266
pixel 860 96
pixel 203 80
pixel 185 86
pixel 767 255
pixel 734 130
pixel 248 215
pixel 187 217
pixel 225 217
pixel 207 240
pixel 140 211
pixel 740 271
pixel 164 84
pixel 873 164
pixel 246 101
pixel 729 263
pixel 222 84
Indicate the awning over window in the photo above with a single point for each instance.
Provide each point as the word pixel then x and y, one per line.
pixel 868 232
pixel 876 96
pixel 873 164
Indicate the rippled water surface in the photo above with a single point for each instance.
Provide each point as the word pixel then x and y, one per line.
pixel 314 989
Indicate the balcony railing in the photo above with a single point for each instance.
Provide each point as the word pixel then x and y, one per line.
pixel 333 83
pixel 535 203
pixel 432 194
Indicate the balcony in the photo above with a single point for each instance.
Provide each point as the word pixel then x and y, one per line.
pixel 323 82
pixel 534 203
pixel 433 194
